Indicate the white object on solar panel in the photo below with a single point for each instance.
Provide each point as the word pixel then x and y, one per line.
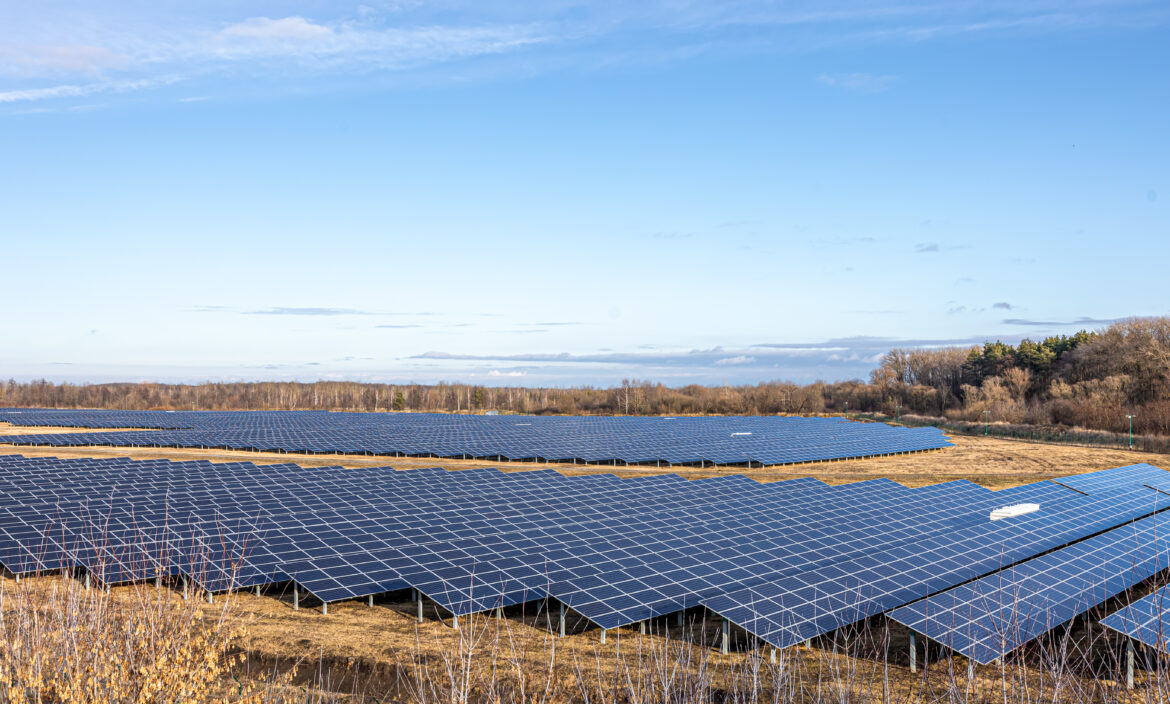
pixel 1014 510
pixel 735 434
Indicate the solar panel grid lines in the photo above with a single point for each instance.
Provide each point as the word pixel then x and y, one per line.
pixel 567 524
pixel 992 616
pixel 768 440
pixel 473 474
pixel 481 538
pixel 796 607
pixel 813 549
pixel 553 474
pixel 1114 479
pixel 585 572
pixel 1145 620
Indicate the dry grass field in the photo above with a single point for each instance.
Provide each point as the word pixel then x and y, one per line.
pixel 359 653
pixel 381 652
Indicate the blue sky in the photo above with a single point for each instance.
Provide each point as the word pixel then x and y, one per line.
pixel 571 192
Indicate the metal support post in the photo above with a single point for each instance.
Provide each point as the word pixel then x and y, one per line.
pixel 296 598
pixel 370 602
pixel 562 621
pixel 724 644
pixel 455 622
pixel 324 608
pixel 420 615
pixel 1129 663
pixel 913 655
pixel 680 618
pixel 642 627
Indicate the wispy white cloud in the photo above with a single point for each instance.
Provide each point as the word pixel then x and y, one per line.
pixel 84 90
pixel 59 59
pixel 110 51
pixel 283 29
pixel 738 359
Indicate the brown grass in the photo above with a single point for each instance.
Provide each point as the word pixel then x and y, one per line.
pixel 380 654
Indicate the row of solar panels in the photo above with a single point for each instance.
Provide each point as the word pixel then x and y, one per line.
pixel 786 561
pixel 750 440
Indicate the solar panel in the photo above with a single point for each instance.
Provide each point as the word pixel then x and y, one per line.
pixel 786 609
pixel 742 440
pixel 786 560
pixel 1144 620
pixel 990 617
pixel 1114 479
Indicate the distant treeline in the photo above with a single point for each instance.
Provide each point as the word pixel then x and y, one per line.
pixel 1090 379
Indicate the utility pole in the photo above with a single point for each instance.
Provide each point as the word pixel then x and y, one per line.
pixel 1130 417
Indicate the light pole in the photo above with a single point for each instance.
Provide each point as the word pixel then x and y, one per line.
pixel 1130 418
pixel 986 421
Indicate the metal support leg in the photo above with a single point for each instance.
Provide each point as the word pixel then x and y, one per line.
pixel 455 622
pixel 724 644
pixel 642 627
pixel 772 656
pixel 970 669
pixel 370 602
pixel 324 608
pixel 499 612
pixel 603 632
pixel 296 598
pixel 257 590
pixel 158 582
pixel 913 655
pixel 1129 663
pixel 562 621
pixel 185 592
pixel 680 618
pixel 210 598
pixel 87 583
pixel 420 615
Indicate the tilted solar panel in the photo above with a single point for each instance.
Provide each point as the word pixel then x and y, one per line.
pixel 992 616
pixel 1146 620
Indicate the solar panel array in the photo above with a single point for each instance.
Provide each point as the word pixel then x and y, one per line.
pixel 785 609
pixel 720 440
pixel 1146 620
pixel 787 560
pixel 990 617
